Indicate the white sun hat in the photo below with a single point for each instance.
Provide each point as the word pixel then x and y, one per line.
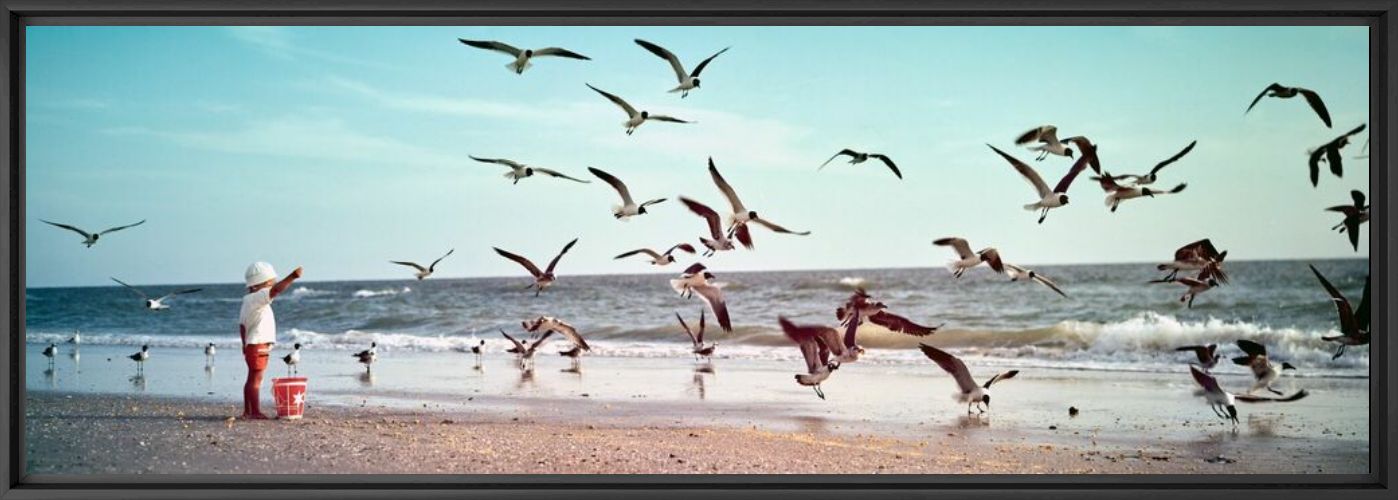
pixel 259 272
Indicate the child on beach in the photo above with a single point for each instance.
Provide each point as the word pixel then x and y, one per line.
pixel 258 328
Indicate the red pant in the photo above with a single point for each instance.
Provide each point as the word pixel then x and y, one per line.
pixel 256 356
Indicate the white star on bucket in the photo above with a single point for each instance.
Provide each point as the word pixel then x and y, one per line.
pixel 298 399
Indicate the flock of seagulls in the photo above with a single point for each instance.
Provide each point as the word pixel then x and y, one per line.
pixel 825 348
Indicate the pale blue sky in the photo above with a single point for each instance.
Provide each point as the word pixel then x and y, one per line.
pixel 339 148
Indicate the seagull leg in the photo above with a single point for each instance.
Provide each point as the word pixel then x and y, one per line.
pixel 1043 215
pixel 1274 391
pixel 819 392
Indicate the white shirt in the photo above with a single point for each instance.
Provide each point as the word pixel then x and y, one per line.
pixel 257 318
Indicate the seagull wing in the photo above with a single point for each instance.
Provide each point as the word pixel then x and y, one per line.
pixel 665 118
pixel 572 334
pixel 713 296
pixel 133 289
pixel 692 338
pixel 630 111
pixel 533 269
pixel 1043 280
pixel 555 173
pixel 1197 251
pixel 554 263
pixel 1208 382
pixel 1361 315
pixel 683 247
pixel 1000 376
pixel 68 227
pixel 743 236
pixel 1028 172
pixel 900 324
pixel 540 341
pixel 492 45
pixel 963 249
pixel 1200 352
pixel 1314 163
pixel 705 63
pixel 646 251
pixel 709 215
pixel 616 183
pixel 1342 305
pixel 118 228
pixel 767 224
pixel 1318 105
pixel 1046 133
pixel 439 259
pixel 805 338
pixel 666 55
pixel 700 336
pixel 889 162
pixel 1253 349
pixel 1274 86
pixel 560 52
pixel 499 161
pixel 727 189
pixel 1332 156
pixel 1173 159
pixel 1249 398
pixel 179 292
pixel 952 365
pixel 414 265
pixel 992 258
pixel 845 151
pixel 1078 167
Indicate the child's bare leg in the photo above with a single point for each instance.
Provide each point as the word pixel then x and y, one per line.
pixel 250 396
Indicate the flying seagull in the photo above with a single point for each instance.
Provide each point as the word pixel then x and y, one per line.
pixel 1047 138
pixel 1088 150
pixel 696 337
pixel 90 239
pixel 741 216
pixel 856 157
pixel 1117 193
pixel 1150 178
pixel 858 308
pixel 1264 371
pixel 698 279
pixel 519 170
pixel 657 258
pixel 817 344
pixel 1355 214
pixel 634 118
pixel 1195 287
pixel 968 259
pixel 1330 153
pixel 1222 402
pixel 688 81
pixel 157 304
pixel 548 324
pixel 522 57
pixel 423 272
pixel 1281 92
pixel 1049 198
pixel 542 279
pixel 1199 256
pixel 1018 273
pixel 718 239
pixel 628 207
pixel 968 392
pixel 1207 355
pixel 1354 323
pixel 525 352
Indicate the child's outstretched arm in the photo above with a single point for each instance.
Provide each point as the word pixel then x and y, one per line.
pixel 285 283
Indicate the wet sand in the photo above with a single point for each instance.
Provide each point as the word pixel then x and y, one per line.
pixel 437 413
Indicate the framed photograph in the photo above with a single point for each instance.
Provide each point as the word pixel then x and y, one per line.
pixel 429 249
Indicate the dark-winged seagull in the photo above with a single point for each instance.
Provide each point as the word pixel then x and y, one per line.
pixel 1018 273
pixel 1195 286
pixel 1329 153
pixel 519 170
pixel 718 239
pixel 1199 256
pixel 293 359
pixel 1150 178
pixel 549 324
pixel 368 356
pixel 140 359
pixel 696 337
pixel 1222 402
pixel 1046 139
pixel 542 279
pixel 858 308
pixel 817 344
pixel 688 81
pixel 634 118
pixel 1355 214
pixel 696 279
pixel 156 304
pixel 968 259
pixel 1048 198
pixel 1282 92
pixel 90 239
pixel 856 157
pixel 522 57
pixel 1207 355
pixel 423 272
pixel 525 352
pixel 1354 322
pixel 628 207
pixel 1264 371
pixel 973 395
pixel 741 216
pixel 657 258
pixel 1117 193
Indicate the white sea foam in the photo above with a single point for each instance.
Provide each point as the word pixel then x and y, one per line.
pixel 365 294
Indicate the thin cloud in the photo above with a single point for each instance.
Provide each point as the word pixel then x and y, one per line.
pixel 280 42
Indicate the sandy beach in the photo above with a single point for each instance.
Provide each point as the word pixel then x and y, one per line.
pixel 435 413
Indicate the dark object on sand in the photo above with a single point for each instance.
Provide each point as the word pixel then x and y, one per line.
pixel 1072 411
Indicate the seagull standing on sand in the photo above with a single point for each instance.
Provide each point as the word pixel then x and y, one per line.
pixel 368 356
pixel 1222 402
pixel 817 344
pixel 1047 138
pixel 477 348
pixel 423 272
pixel 975 396
pixel 860 309
pixel 1017 273
pixel 140 359
pixel 1048 198
pixel 659 259
pixel 542 279
pixel 90 239
pixel 697 338
pixel 1150 178
pixel 209 351
pixel 522 57
pixel 856 157
pixel 698 279
pixel 968 259
pixel 1264 371
pixel 525 353
pixel 293 359
pixel 1117 193
pixel 1199 256
pixel 1354 323
pixel 1207 355
pixel 1355 214
pixel 1282 92
pixel 519 170
pixel 634 118
pixel 157 304
pixel 1330 153
pixel 628 207
pixel 741 216
pixel 1196 286
pixel 688 81
pixel 718 240
pixel 49 352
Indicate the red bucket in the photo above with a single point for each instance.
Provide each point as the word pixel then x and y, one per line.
pixel 290 393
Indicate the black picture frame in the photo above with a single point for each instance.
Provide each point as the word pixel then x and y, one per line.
pixel 1376 14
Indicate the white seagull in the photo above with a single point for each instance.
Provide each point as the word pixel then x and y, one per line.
pixel 1264 371
pixel 697 279
pixel 522 57
pixel 1049 198
pixel 293 359
pixel 968 392
pixel 696 338
pixel 968 259
pixel 157 304
pixel 368 356
pixel 657 258
pixel 856 157
pixel 519 170
pixel 423 272
pixel 628 207
pixel 635 118
pixel 1047 138
pixel 718 239
pixel 1018 273
pixel 688 81
pixel 77 338
pixel 542 279
pixel 741 216
pixel 90 239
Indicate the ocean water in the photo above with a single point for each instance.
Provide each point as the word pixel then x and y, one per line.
pixel 1113 320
